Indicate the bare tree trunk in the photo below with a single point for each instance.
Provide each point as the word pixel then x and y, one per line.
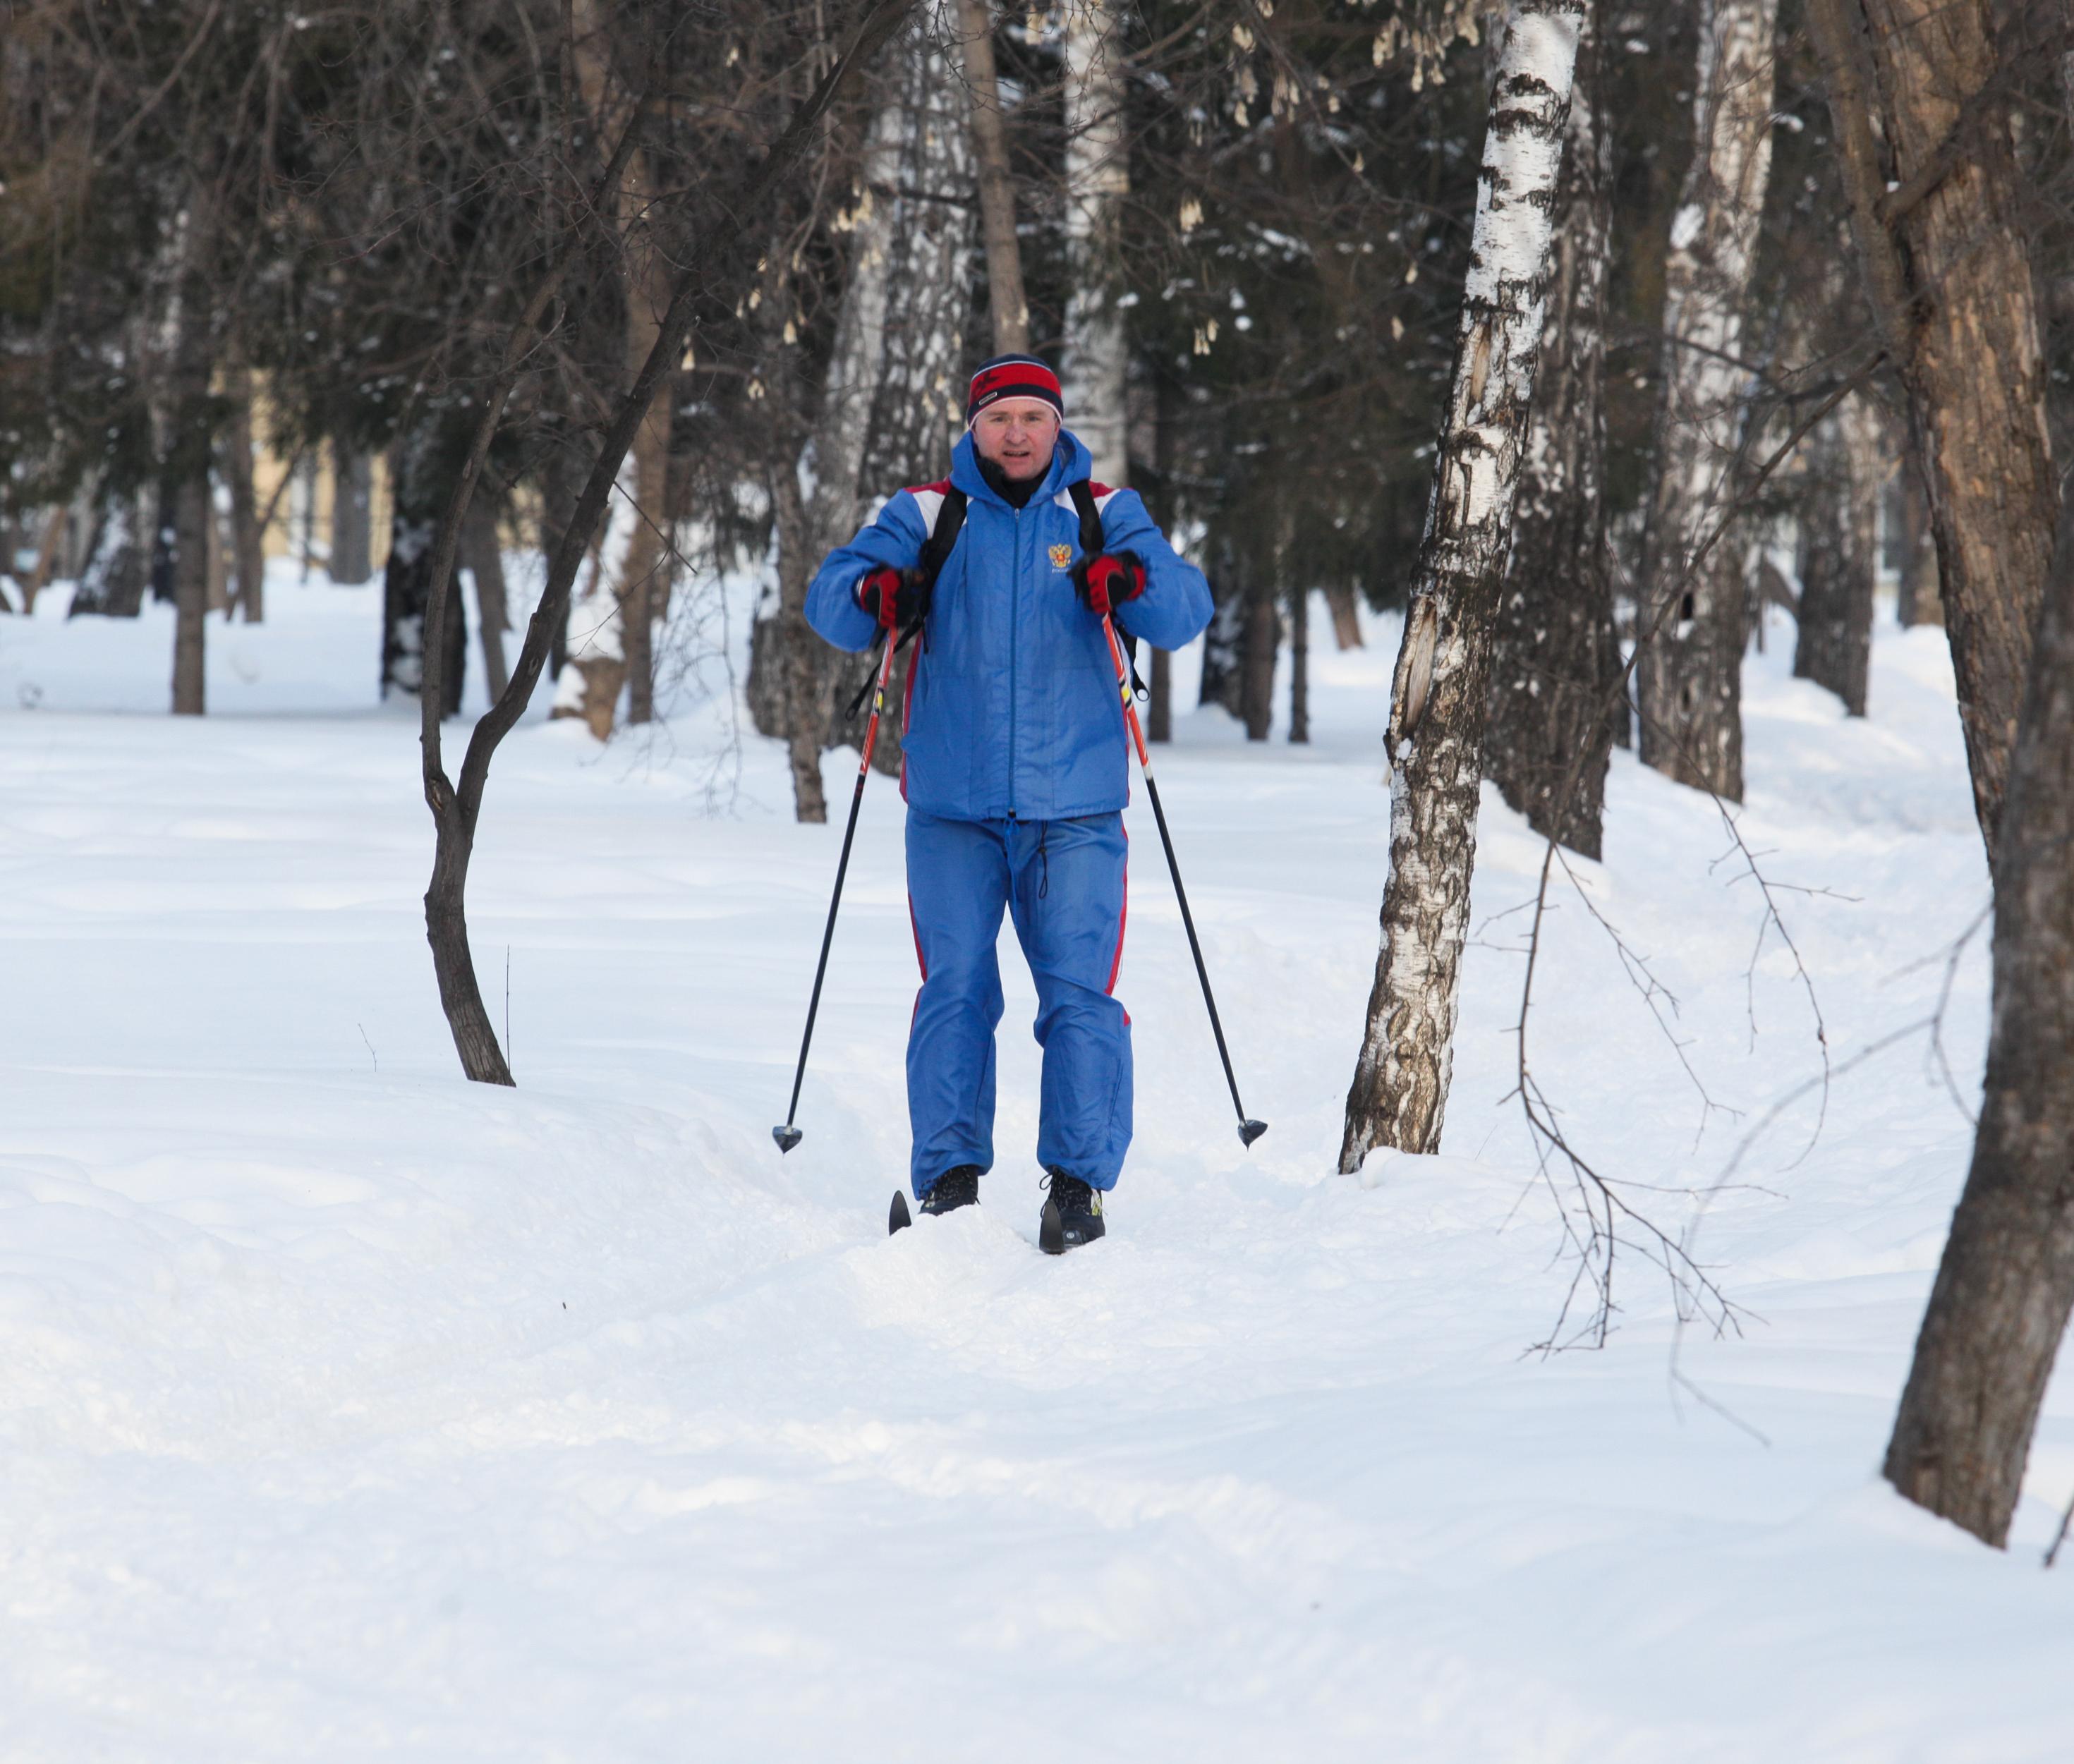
pixel 595 673
pixel 560 480
pixel 482 555
pixel 1918 602
pixel 2006 1284
pixel 1833 642
pixel 1690 676
pixel 1160 713
pixel 804 677
pixel 1555 653
pixel 248 541
pixel 1097 184
pixel 216 563
pixel 421 477
pixel 643 589
pixel 186 512
pixel 191 523
pixel 352 518
pixel 1935 198
pixel 1224 643
pixel 1299 665
pixel 644 575
pixel 996 190
pixel 704 287
pixel 620 605
pixel 1440 696
pixel 54 522
pixel 118 566
pixel 1346 616
pixel 1264 639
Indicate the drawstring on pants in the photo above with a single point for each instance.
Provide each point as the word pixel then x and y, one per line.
pixel 1043 859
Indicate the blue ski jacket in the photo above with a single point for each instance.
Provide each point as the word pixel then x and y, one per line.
pixel 1013 711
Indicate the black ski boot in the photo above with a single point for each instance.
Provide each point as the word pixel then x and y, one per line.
pixel 954 1189
pixel 1072 1217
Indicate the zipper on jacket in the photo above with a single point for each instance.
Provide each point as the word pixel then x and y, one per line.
pixel 1014 631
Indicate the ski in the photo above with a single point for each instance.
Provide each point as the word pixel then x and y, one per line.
pixel 897 1218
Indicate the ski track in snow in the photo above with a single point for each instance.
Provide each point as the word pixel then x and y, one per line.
pixel 350 1410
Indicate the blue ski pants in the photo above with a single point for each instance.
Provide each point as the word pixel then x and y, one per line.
pixel 1063 883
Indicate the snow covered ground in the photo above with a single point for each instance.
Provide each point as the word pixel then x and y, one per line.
pixel 349 1410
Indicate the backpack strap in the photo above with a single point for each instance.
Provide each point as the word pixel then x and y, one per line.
pixel 1093 544
pixel 935 553
pixel 936 550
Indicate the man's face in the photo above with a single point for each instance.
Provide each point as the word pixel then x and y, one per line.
pixel 1018 434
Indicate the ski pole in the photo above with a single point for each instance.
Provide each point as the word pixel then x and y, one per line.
pixel 1248 1129
pixel 788 1136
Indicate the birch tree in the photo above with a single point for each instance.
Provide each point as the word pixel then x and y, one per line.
pixel 919 410
pixel 891 393
pixel 1555 650
pixel 1689 677
pixel 1097 184
pixel 1439 697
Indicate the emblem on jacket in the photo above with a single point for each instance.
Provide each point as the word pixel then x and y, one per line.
pixel 1061 556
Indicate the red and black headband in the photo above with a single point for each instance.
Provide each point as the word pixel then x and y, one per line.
pixel 1013 376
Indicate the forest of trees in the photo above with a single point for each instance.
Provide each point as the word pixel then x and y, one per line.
pixel 1581 334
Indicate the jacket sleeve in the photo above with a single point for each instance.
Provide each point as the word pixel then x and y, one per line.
pixel 1176 606
pixel 894 540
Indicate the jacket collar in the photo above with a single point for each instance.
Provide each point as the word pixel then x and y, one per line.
pixel 1070 462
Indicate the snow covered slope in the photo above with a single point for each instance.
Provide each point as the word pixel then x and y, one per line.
pixel 348 1410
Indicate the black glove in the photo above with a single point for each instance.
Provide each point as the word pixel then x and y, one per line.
pixel 1105 581
pixel 896 598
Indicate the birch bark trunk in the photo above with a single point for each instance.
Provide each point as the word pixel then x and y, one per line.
pixel 1555 653
pixel 815 491
pixel 1009 309
pixel 918 411
pixel 1690 675
pixel 1440 695
pixel 1935 197
pixel 891 399
pixel 1095 360
pixel 2006 1284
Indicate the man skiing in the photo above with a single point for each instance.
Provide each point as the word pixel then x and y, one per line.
pixel 1015 773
